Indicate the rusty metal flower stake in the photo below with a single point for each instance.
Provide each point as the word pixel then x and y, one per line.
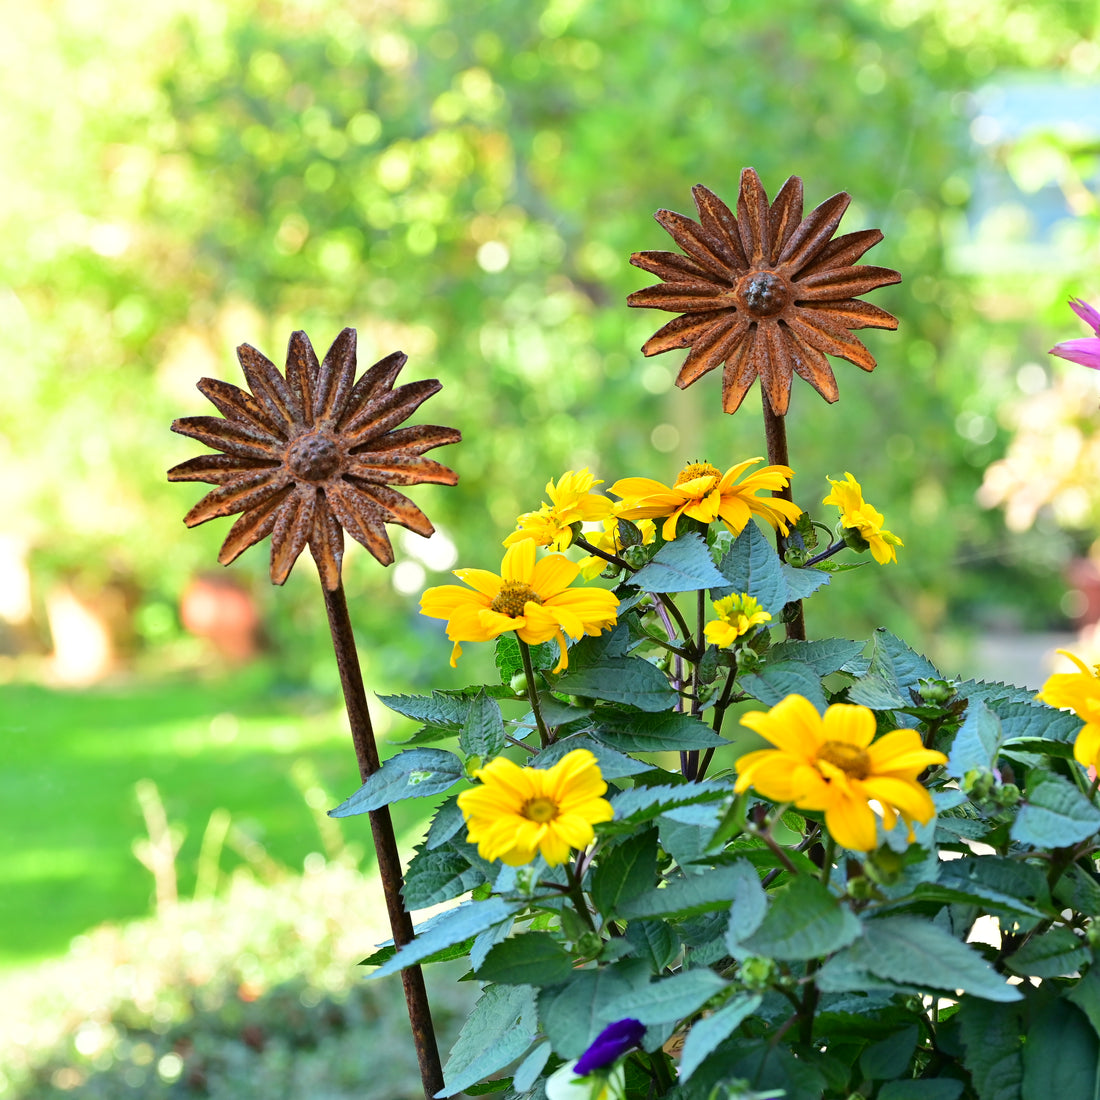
pixel 768 293
pixel 303 458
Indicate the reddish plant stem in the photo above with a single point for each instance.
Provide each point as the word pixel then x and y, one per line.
pixel 385 843
pixel 775 432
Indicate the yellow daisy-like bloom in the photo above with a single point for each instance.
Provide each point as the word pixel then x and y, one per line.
pixel 858 515
pixel 607 540
pixel 571 501
pixel 533 598
pixel 1079 692
pixel 737 615
pixel 517 812
pixel 830 764
pixel 704 493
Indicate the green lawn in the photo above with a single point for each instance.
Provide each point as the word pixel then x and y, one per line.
pixel 69 813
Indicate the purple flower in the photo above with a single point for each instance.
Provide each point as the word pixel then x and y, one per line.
pixel 1085 351
pixel 611 1043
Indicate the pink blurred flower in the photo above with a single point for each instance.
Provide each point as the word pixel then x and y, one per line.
pixel 1085 351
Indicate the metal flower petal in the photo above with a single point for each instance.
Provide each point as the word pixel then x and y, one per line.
pixel 312 453
pixel 766 292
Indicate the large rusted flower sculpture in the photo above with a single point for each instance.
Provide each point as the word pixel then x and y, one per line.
pixel 308 455
pixel 766 292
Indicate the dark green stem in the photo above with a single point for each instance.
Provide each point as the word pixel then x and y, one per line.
pixel 775 432
pixel 533 692
pixel 576 895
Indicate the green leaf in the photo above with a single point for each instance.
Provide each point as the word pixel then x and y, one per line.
pixel 687 896
pixel 445 711
pixel 1055 815
pixel 804 921
pixel 684 565
pixel 483 731
pixel 823 656
pixel 752 566
pixel 932 1088
pixel 1037 724
pixel 622 680
pixel 1086 996
pixel 439 875
pixel 613 765
pixel 877 692
pixel 992 881
pixel 750 906
pixel 706 1034
pixel 415 773
pixel 1078 889
pixel 889 1057
pixel 453 926
pixel 1055 954
pixel 977 741
pixel 529 1070
pixel 500 1028
pixel 910 951
pixel 509 661
pixel 448 821
pixel 803 583
pixel 654 941
pixel 574 1013
pixel 645 803
pixel 779 679
pixel 687 831
pixel 669 999
pixel 993 1037
pixel 532 958
pixel 668 731
pixel 893 659
pixel 624 872
pixel 1062 1053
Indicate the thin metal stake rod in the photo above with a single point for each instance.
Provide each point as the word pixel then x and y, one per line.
pixel 385 843
pixel 775 432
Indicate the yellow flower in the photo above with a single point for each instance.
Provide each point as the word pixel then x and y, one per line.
pixel 517 812
pixel 533 598
pixel 857 515
pixel 1079 692
pixel 830 764
pixel 608 541
pixel 571 501
pixel 704 493
pixel 737 615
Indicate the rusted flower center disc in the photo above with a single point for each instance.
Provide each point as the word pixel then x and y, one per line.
pixel 313 457
pixel 763 293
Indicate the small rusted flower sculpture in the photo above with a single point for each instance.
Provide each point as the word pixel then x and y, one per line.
pixel 311 454
pixel 767 293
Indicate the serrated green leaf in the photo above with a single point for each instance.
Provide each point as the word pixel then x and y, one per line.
pixel 667 731
pixel 1055 954
pixel 1035 723
pixel 750 906
pixel 500 1028
pixel 686 896
pixel 454 926
pixel 574 1013
pixel 910 951
pixel 624 872
pixel 995 882
pixel 889 1057
pixel 706 1034
pixel 1086 996
pixel 436 876
pixel 777 680
pixel 483 731
pixel 803 583
pixel 613 765
pixel 1061 1054
pixel 993 1036
pixel 1078 889
pixel 877 692
pixel 448 821
pixel 1055 815
pixel 645 803
pixel 897 662
pixel 804 921
pixel 752 566
pixel 931 1088
pixel 445 711
pixel 824 656
pixel 415 773
pixel 509 661
pixel 977 741
pixel 684 565
pixel 532 958
pixel 622 680
pixel 529 1070
pixel 654 941
pixel 686 831
pixel 668 999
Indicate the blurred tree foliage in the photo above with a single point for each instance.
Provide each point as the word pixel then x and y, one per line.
pixel 466 181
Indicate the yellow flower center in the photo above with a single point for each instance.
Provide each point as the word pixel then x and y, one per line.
pixel 850 759
pixel 539 809
pixel 512 598
pixel 697 469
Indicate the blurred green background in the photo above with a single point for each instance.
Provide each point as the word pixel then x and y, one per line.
pixel 466 182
